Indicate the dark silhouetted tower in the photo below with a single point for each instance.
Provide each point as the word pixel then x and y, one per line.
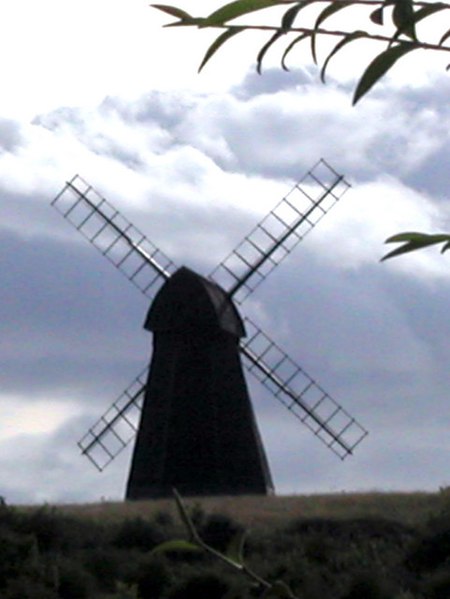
pixel 197 432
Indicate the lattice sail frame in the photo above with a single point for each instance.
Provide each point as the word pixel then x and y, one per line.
pixel 267 245
pixel 114 236
pixel 280 231
pixel 299 393
pixel 117 427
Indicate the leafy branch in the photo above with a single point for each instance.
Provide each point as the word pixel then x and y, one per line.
pixel 416 241
pixel 400 17
pixel 234 558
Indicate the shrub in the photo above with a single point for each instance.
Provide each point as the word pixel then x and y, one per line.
pixel 25 587
pixel 105 565
pixel 74 581
pixel 153 577
pixel 16 554
pixel 430 552
pixel 207 585
pixel 369 585
pixel 163 519
pixel 137 533
pixel 56 532
pixel 219 530
pixel 356 528
pixel 437 586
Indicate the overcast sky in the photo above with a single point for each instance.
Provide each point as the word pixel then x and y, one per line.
pixel 99 88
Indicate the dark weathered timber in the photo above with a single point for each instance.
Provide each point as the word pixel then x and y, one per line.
pixel 198 432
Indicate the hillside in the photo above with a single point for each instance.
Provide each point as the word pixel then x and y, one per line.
pixel 274 511
pixel 341 546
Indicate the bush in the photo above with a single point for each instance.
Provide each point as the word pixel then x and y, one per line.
pixel 74 581
pixel 153 577
pixel 106 565
pixel 56 532
pixel 208 585
pixel 16 554
pixel 437 586
pixel 137 533
pixel 430 552
pixel 369 586
pixel 25 587
pixel 219 530
pixel 356 528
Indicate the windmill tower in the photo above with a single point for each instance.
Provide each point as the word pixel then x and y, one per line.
pixel 195 425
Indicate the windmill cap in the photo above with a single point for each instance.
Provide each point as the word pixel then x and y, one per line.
pixel 189 302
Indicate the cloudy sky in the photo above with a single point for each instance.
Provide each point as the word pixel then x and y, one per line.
pixel 99 88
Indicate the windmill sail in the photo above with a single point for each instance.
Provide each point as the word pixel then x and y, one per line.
pixel 299 393
pixel 114 236
pixel 280 231
pixel 117 427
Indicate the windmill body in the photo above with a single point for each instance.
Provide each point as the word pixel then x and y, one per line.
pixel 191 412
pixel 197 432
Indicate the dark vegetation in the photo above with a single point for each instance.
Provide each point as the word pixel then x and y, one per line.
pixel 396 552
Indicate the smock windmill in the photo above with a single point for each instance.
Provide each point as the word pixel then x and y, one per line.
pixel 190 410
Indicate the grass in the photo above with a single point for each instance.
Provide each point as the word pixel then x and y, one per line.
pixel 335 546
pixel 411 508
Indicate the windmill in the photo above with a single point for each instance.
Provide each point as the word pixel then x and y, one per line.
pixel 190 410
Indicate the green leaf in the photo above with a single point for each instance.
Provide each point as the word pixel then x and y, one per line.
pixel 173 11
pixel 238 8
pixel 428 10
pixel 403 17
pixel 289 48
pixel 330 10
pixel 419 15
pixel 444 37
pixel 350 37
pixel 264 49
pixel 217 43
pixel 377 16
pixel 380 66
pixel 185 19
pixel 235 549
pixel 415 237
pixel 176 545
pixel 413 241
pixel 290 15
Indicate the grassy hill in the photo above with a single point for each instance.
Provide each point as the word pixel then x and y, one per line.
pixel 273 511
pixel 339 546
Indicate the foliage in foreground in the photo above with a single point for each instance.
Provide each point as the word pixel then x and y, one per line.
pixel 397 21
pixel 393 25
pixel 413 241
pixel 46 554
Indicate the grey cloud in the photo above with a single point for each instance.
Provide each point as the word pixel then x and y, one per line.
pixel 10 135
pixel 65 317
pixel 167 109
pixel 271 81
pixel 66 115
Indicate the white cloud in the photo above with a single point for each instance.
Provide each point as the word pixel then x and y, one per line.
pixel 20 417
pixel 373 211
